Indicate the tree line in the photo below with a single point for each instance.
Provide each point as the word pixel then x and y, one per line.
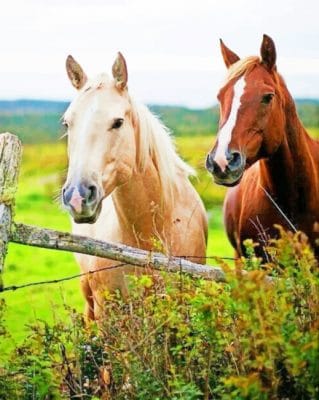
pixel 39 121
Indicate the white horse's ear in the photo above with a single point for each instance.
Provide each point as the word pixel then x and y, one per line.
pixel 268 53
pixel 119 71
pixel 76 74
pixel 229 56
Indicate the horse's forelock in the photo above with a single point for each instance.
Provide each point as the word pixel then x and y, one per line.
pixel 242 66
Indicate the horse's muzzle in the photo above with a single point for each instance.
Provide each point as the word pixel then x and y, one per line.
pixel 83 201
pixel 232 173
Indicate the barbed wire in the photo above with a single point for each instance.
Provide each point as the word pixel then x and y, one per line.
pixel 210 257
pixel 91 272
pixel 67 278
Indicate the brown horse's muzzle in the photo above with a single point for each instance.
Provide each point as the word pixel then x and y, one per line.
pixel 83 201
pixel 229 174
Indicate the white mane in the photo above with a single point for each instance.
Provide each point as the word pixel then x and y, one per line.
pixel 155 142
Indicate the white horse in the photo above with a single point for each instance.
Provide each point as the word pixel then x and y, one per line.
pixel 125 182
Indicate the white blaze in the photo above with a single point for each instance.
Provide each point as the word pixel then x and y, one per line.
pixel 82 146
pixel 224 135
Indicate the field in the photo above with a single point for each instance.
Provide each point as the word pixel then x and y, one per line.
pixel 41 177
pixel 37 203
pixel 242 340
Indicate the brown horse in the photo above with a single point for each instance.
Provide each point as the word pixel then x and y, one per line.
pixel 264 153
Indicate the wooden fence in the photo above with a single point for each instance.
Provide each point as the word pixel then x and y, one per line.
pixel 10 231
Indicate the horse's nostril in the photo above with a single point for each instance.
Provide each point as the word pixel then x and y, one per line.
pixel 92 194
pixel 236 157
pixel 235 160
pixel 209 163
pixel 67 194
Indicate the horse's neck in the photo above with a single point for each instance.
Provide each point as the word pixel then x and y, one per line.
pixel 291 174
pixel 139 207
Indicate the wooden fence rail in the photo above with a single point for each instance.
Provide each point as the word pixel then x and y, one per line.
pixel 10 158
pixel 50 239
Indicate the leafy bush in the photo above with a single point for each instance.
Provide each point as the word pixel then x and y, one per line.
pixel 179 338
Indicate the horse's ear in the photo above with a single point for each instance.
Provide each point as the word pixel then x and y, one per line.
pixel 229 56
pixel 75 73
pixel 268 53
pixel 119 71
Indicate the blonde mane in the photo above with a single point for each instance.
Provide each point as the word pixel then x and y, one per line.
pixel 156 143
pixel 153 141
pixel 242 66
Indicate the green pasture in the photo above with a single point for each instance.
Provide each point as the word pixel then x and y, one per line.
pixel 37 203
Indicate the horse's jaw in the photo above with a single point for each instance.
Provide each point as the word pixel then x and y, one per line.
pixel 228 183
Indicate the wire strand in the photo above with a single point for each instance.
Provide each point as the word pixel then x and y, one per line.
pixel 292 226
pixel 67 278
pixel 115 266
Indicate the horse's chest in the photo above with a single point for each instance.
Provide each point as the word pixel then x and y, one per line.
pixel 258 224
pixel 255 216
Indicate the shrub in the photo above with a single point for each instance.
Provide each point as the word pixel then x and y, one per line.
pixel 177 337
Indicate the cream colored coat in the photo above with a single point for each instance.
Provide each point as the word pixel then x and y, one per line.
pixel 143 186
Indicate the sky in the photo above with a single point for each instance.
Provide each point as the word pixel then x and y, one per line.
pixel 171 46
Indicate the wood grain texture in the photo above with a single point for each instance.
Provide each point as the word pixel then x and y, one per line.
pixel 51 239
pixel 10 158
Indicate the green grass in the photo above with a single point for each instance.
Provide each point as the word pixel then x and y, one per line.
pixel 41 177
pixel 39 181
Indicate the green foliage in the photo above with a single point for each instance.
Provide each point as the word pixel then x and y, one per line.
pixel 33 128
pixel 36 121
pixel 187 122
pixel 308 111
pixel 180 338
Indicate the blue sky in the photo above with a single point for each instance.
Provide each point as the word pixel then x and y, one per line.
pixel 171 46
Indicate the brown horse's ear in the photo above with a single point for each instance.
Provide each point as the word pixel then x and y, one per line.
pixel 268 53
pixel 75 73
pixel 119 71
pixel 229 56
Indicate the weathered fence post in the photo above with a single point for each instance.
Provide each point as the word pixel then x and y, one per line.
pixel 10 158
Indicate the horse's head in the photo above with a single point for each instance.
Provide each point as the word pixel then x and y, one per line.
pixel 251 114
pixel 101 139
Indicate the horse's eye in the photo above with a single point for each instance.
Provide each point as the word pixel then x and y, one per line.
pixel 266 99
pixel 65 124
pixel 117 123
